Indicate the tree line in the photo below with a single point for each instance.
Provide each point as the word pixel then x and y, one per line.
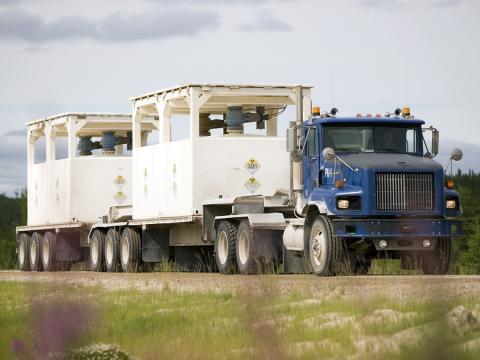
pixel 13 212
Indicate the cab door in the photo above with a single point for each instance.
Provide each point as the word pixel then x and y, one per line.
pixel 310 164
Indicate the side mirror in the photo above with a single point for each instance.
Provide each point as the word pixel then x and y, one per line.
pixel 328 153
pixel 456 154
pixel 435 141
pixel 291 139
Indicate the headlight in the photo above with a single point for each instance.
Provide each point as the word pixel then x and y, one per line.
pixel 451 204
pixel 343 204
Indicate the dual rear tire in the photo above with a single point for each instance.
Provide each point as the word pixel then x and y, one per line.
pixel 237 251
pixel 112 251
pixel 37 252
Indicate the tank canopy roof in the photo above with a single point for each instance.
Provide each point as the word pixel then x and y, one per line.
pixel 206 86
pixel 79 115
pixel 367 120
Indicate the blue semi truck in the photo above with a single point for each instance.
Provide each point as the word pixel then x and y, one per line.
pixel 362 187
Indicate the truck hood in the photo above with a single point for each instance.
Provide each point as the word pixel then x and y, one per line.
pixel 389 161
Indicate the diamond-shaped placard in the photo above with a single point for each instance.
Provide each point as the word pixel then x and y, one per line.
pixel 252 185
pixel 252 166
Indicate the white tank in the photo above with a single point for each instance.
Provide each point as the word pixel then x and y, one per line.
pixel 175 177
pixel 64 186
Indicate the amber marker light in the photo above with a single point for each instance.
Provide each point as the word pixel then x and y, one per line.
pixel 450 184
pixel 340 183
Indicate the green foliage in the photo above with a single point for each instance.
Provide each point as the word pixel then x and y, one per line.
pixel 467 249
pixel 261 323
pixel 13 212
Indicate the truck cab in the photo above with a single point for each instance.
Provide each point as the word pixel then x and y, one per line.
pixel 374 185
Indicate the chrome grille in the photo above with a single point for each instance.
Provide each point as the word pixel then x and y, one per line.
pixel 405 191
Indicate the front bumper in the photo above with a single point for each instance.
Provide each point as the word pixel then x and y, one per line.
pixel 397 228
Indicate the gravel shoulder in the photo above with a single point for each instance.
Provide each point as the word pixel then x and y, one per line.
pixel 349 287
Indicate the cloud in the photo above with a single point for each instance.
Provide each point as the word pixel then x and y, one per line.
pixel 218 2
pixel 471 154
pixel 20 25
pixel 8 2
pixel 447 3
pixel 386 4
pixel 16 132
pixel 13 163
pixel 265 21
pixel 157 25
pixel 34 49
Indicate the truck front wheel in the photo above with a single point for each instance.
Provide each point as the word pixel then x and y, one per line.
pixel 323 248
pixel 438 261
pixel 225 257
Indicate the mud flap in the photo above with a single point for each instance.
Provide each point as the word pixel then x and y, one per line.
pixel 294 262
pixel 155 245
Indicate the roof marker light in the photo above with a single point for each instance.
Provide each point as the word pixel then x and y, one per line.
pixel 406 111
pixel 316 111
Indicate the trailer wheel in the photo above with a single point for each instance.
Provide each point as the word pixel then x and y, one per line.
pixel 35 252
pixel 23 251
pixel 225 247
pixel 253 257
pixel 438 261
pixel 112 250
pixel 96 251
pixel 130 250
pixel 324 250
pixel 49 245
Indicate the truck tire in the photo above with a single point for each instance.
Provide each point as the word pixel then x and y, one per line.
pixel 130 250
pixel 438 261
pixel 24 252
pixel 253 257
pixel 112 250
pixel 324 250
pixel 225 257
pixel 35 252
pixel 49 247
pixel 96 246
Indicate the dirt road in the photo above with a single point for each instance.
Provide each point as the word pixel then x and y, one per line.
pixel 359 287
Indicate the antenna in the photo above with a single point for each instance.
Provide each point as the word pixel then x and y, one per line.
pixel 331 88
pixel 405 77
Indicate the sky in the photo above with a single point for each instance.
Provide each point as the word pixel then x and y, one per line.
pixel 361 56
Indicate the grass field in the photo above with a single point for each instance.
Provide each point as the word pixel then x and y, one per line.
pixel 36 319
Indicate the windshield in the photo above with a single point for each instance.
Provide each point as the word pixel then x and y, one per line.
pixel 379 139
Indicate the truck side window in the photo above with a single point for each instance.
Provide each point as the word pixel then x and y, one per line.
pixel 312 142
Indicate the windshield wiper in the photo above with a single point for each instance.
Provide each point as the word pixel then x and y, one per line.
pixel 348 150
